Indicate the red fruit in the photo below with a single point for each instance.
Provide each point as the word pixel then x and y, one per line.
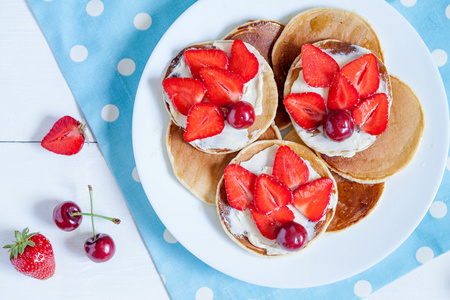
pixel 312 199
pixel 66 137
pixel 242 61
pixel 184 92
pixel 289 168
pixel 338 125
pixel 63 215
pixel 363 74
pixel 239 185
pixel 372 114
pixel 222 86
pixel 241 115
pixel 307 109
pixel 100 248
pixel 198 59
pixel 342 94
pixel 292 236
pixel 319 68
pixel 269 225
pixel 270 194
pixel 204 120
pixel 32 255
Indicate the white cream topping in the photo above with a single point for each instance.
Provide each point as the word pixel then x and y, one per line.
pixel 230 138
pixel 241 223
pixel 317 140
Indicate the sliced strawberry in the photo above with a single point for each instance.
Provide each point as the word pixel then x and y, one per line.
pixel 318 67
pixel 289 168
pixel 372 114
pixel 66 137
pixel 184 92
pixel 312 199
pixel 203 120
pixel 270 224
pixel 342 94
pixel 363 74
pixel 239 185
pixel 222 86
pixel 242 61
pixel 197 59
pixel 307 109
pixel 270 194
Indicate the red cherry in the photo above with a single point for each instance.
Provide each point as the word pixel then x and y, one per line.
pixel 100 248
pixel 292 236
pixel 64 218
pixel 241 115
pixel 338 125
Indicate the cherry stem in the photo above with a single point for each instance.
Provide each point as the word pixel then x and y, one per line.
pixel 114 220
pixel 92 211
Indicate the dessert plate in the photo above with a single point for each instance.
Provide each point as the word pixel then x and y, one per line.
pixel 334 256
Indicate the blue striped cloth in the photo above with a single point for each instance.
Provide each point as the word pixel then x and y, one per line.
pixel 102 48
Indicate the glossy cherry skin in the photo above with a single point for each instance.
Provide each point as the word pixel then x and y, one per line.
pixel 241 115
pixel 292 236
pixel 338 125
pixel 63 218
pixel 101 248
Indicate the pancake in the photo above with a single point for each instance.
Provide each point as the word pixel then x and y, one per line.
pixel 394 148
pixel 261 34
pixel 198 171
pixel 316 139
pixel 226 212
pixel 355 200
pixel 315 25
pixel 262 121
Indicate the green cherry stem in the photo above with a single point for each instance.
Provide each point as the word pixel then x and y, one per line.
pixel 114 220
pixel 92 210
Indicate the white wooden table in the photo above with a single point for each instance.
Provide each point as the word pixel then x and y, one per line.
pixel 33 95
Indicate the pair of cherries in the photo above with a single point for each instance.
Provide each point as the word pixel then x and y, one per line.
pixel 68 216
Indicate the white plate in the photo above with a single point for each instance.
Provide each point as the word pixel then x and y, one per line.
pixel 333 257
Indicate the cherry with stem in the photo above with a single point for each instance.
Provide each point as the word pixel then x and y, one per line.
pixel 100 247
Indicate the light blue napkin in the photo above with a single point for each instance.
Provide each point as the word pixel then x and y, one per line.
pixel 102 49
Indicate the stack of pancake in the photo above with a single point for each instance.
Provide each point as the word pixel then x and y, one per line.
pixel 360 179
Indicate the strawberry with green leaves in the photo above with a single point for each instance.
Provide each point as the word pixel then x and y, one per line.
pixel 32 255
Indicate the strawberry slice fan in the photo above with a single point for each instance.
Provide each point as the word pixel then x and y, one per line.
pixel 114 37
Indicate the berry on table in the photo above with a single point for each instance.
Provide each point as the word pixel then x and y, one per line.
pixel 66 137
pixel 32 255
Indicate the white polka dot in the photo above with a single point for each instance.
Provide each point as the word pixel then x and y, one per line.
pixel 126 67
pixel 362 288
pixel 408 3
pixel 110 113
pixel 78 53
pixel 440 57
pixel 94 8
pixel 135 175
pixel 438 209
pixel 142 21
pixel 424 254
pixel 47 0
pixel 204 293
pixel 168 237
pixel 163 278
pixel 447 12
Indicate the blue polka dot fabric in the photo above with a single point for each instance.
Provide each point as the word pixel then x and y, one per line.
pixel 102 48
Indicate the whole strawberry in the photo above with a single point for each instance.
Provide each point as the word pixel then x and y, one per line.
pixel 66 137
pixel 32 255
